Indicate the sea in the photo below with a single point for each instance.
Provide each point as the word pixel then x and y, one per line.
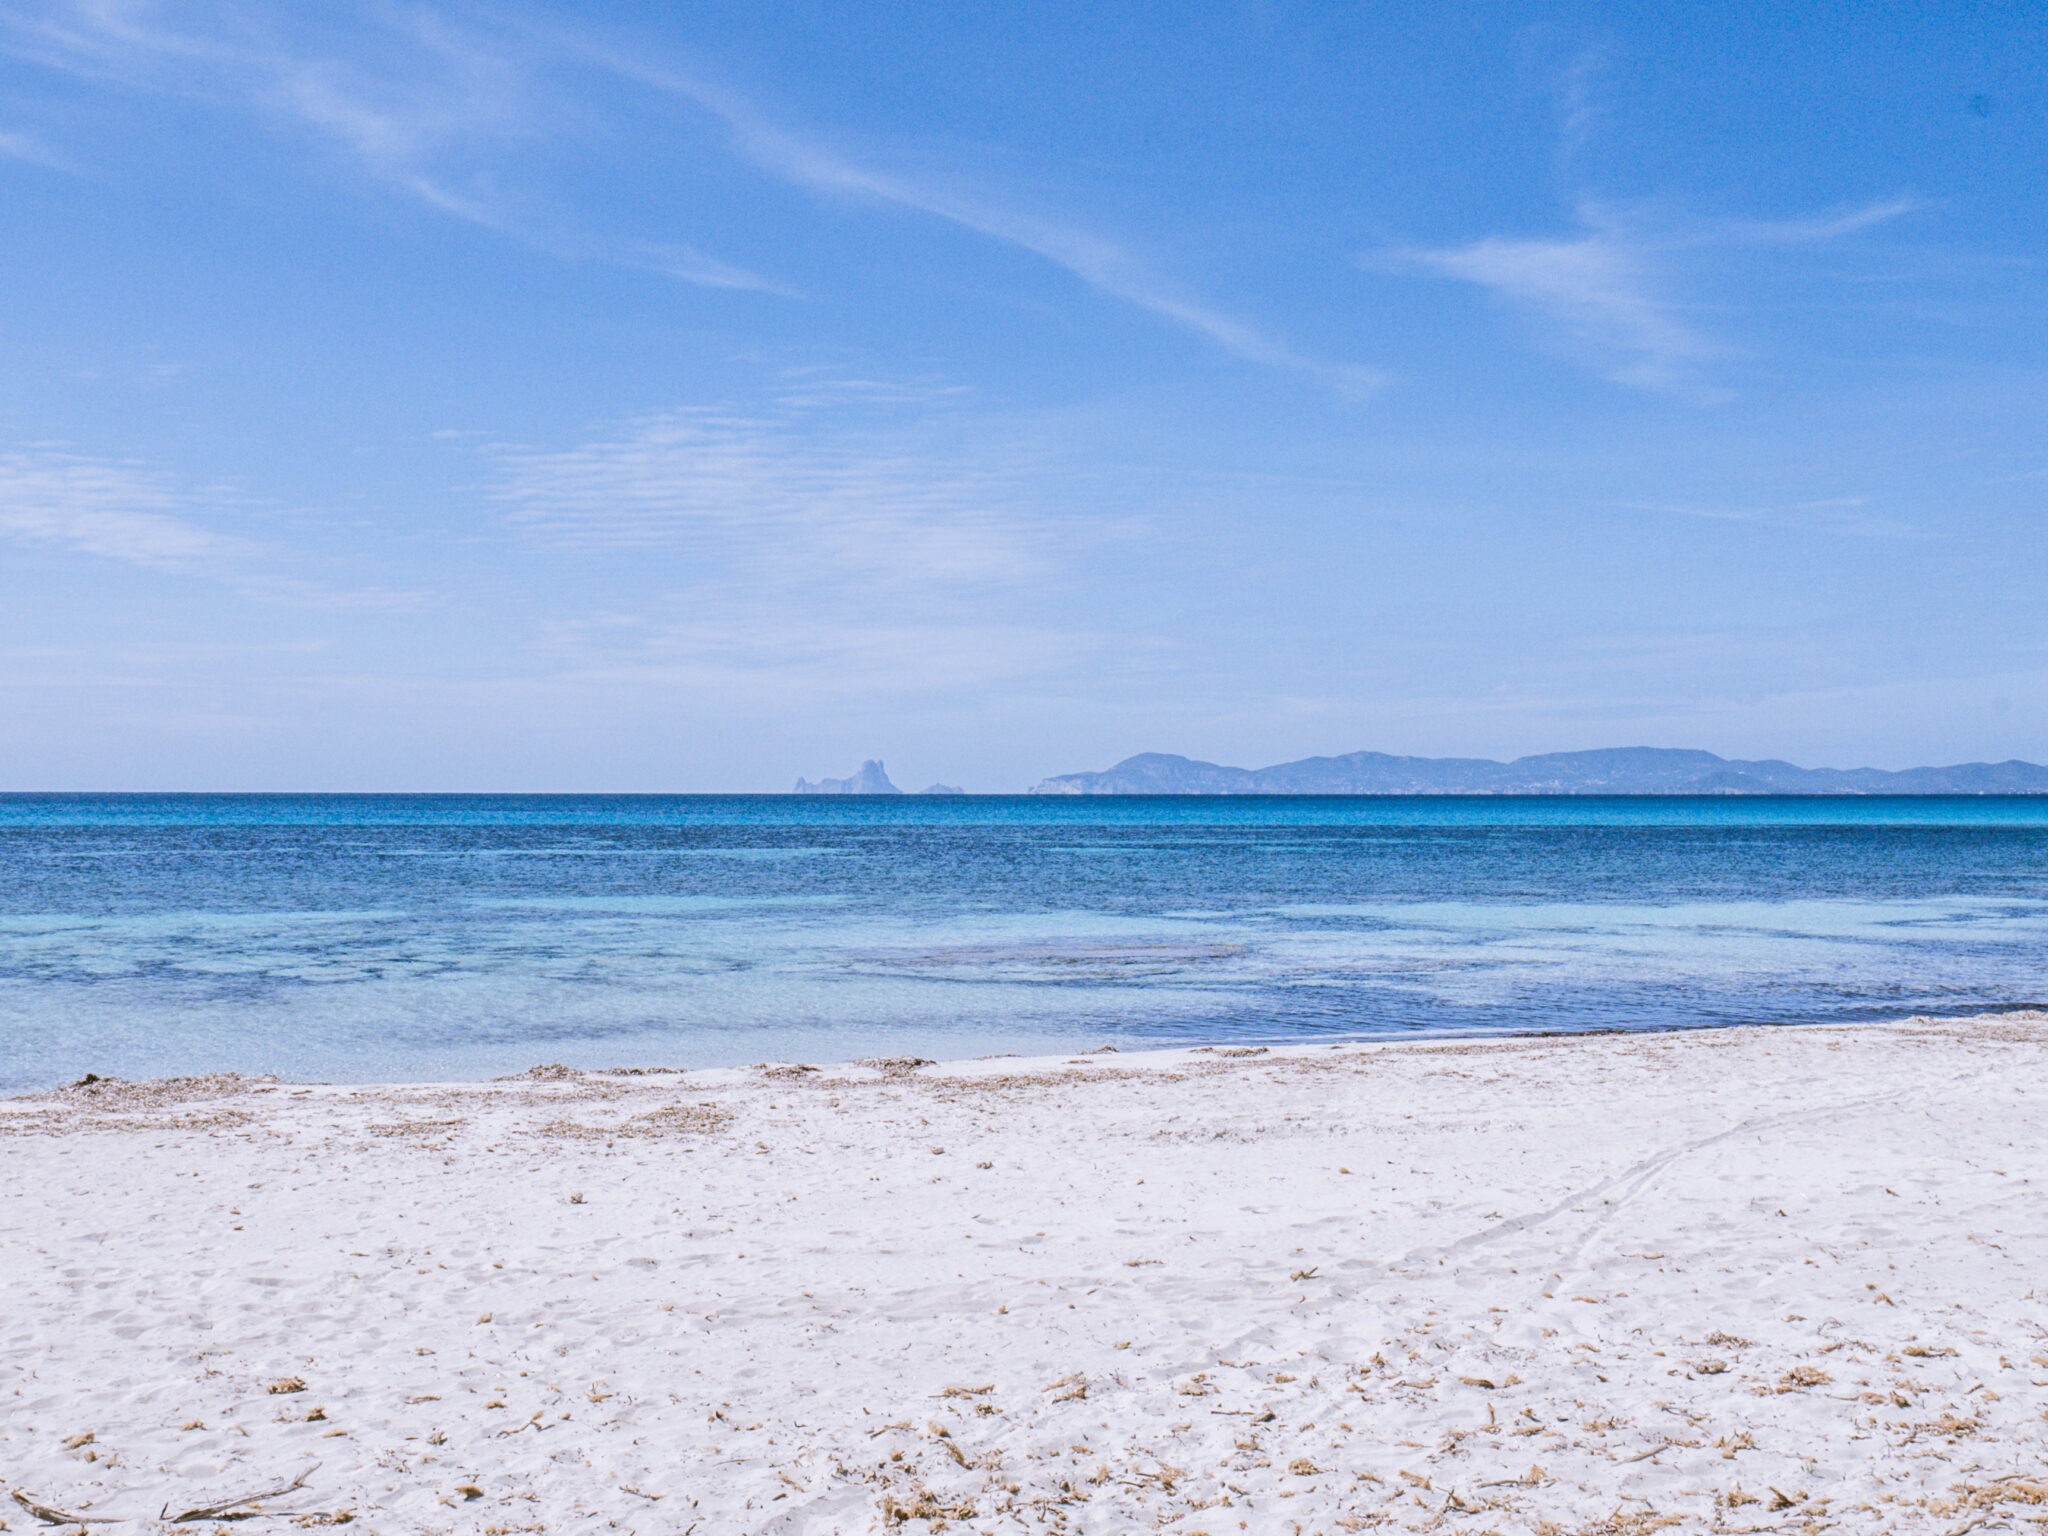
pixel 432 937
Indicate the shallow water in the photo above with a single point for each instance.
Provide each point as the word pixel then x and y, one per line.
pixel 385 937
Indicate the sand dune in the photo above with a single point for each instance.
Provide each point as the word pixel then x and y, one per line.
pixel 1735 1280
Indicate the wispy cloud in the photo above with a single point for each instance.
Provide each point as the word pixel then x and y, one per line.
pixel 416 94
pixel 421 105
pixel 809 551
pixel 25 147
pixel 118 510
pixel 691 265
pixel 1598 296
pixel 1608 294
pixel 1100 262
pixel 797 658
pixel 1579 112
pixel 1811 231
pixel 798 497
pixel 1838 514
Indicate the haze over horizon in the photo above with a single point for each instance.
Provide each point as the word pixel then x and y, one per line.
pixel 1598 770
pixel 502 398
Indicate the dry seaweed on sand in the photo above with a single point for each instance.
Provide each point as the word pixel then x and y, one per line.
pixel 223 1508
pixel 50 1515
pixel 895 1066
pixel 549 1072
pixel 670 1120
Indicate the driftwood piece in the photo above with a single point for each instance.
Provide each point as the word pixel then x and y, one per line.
pixel 49 1516
pixel 216 1511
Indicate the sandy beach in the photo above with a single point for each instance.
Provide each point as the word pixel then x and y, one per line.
pixel 1749 1279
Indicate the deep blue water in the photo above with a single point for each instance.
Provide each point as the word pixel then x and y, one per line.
pixel 372 937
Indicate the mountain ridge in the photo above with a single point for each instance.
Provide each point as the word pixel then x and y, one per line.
pixel 1601 771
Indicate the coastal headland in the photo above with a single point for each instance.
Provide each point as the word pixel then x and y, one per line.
pixel 1724 1280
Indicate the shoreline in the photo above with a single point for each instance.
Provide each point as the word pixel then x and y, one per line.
pixel 1137 1057
pixel 1750 1277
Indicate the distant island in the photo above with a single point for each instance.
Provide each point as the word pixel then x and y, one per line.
pixel 1609 771
pixel 872 779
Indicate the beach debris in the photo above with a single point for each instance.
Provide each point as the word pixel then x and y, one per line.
pixel 1301 1466
pixel 1711 1367
pixel 896 1066
pixel 968 1391
pixel 469 1491
pixel 73 1442
pixel 114 1093
pixel 553 1072
pixel 50 1516
pixel 675 1119
pixel 1927 1351
pixel 416 1127
pixel 285 1384
pixel 919 1503
pixel 1240 1050
pixel 224 1507
pixel 1305 1274
pixel 1803 1376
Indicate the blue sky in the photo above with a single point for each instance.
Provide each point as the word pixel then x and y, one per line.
pixel 645 397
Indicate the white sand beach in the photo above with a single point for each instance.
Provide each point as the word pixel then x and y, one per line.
pixel 1748 1279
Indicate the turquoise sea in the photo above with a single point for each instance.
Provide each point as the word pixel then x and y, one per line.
pixel 366 937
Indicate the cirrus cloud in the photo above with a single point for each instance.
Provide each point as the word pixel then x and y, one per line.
pixel 1609 295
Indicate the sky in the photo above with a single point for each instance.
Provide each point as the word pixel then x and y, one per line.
pixel 639 397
